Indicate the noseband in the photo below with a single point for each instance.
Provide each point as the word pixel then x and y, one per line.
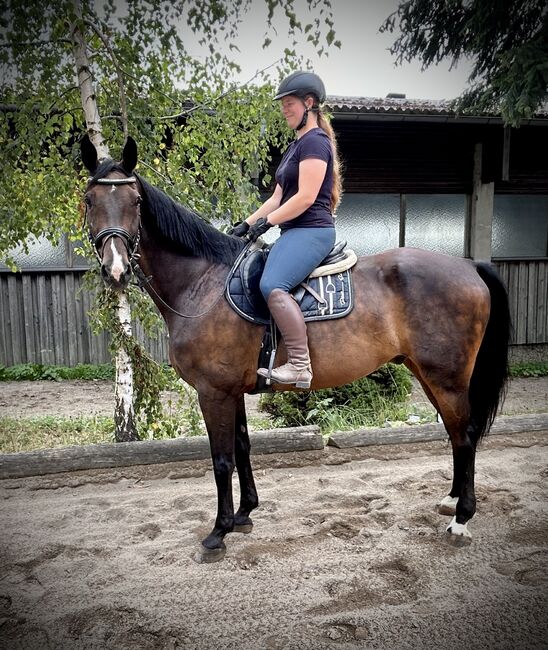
pixel 131 242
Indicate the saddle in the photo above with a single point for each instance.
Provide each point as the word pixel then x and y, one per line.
pixel 325 294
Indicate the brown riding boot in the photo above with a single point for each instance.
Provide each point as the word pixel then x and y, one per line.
pixel 290 321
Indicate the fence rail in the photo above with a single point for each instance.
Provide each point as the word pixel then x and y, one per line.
pixel 43 316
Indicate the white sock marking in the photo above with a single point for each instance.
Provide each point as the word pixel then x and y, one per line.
pixel 459 530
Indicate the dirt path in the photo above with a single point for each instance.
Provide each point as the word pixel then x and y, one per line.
pixel 347 552
pixel 32 398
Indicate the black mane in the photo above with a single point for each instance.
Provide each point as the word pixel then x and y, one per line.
pixel 185 231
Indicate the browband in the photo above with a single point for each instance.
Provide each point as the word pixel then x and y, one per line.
pixel 116 181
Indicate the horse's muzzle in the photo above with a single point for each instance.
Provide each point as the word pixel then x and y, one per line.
pixel 117 281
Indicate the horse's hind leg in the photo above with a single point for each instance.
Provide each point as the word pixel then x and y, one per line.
pixel 454 408
pixel 248 492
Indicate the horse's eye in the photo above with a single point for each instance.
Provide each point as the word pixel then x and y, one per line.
pixel 87 201
pixel 138 200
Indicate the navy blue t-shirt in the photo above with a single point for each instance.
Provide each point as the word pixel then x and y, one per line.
pixel 313 144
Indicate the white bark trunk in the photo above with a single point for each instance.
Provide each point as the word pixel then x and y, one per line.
pixel 124 416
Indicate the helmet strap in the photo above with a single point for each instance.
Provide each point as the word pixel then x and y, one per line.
pixel 303 121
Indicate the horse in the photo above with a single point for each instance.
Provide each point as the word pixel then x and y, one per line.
pixel 446 318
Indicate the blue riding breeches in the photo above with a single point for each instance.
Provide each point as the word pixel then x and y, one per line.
pixel 295 254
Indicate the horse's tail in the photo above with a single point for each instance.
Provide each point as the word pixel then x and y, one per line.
pixel 490 375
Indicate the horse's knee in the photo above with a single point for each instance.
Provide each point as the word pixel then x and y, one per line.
pixel 223 465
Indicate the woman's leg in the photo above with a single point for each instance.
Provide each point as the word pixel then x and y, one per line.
pixel 294 256
pixel 292 259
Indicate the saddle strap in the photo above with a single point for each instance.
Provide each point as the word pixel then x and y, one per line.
pixel 314 293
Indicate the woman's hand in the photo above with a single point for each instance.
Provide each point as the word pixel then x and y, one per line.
pixel 257 229
pixel 239 230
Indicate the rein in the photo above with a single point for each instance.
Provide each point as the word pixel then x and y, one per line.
pixel 131 243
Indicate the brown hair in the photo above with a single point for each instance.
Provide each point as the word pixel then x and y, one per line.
pixel 336 191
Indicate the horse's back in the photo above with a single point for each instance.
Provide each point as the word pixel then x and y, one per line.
pixel 416 274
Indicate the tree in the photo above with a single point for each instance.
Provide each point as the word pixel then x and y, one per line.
pixel 507 42
pixel 201 137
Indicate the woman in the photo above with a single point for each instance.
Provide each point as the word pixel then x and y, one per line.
pixel 308 189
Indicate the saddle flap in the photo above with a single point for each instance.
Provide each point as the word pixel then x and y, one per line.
pixel 251 271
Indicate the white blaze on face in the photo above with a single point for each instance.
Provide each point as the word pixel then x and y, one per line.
pixel 117 267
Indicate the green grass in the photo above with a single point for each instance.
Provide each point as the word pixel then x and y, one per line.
pixel 49 431
pixel 533 369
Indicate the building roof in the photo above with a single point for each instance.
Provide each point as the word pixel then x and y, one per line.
pixel 398 107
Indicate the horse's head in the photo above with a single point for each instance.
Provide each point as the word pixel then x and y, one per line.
pixel 112 208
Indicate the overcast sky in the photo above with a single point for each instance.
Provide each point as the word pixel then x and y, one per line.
pixel 363 67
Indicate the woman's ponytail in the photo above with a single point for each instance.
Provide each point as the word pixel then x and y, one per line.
pixel 336 192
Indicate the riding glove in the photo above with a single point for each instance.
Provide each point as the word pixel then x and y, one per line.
pixel 239 229
pixel 257 229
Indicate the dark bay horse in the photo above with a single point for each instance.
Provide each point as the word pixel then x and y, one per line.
pixel 445 318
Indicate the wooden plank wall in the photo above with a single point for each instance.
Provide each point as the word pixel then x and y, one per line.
pixel 527 284
pixel 43 319
pixel 43 316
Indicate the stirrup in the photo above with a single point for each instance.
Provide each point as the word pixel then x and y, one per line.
pixel 299 383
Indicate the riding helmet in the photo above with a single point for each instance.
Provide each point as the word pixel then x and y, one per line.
pixel 302 84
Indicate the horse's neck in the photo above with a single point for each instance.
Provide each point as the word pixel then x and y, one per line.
pixel 176 279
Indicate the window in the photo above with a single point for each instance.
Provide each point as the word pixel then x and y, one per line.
pixel 520 226
pixel 370 223
pixel 436 222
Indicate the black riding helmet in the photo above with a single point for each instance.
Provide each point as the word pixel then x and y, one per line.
pixel 302 84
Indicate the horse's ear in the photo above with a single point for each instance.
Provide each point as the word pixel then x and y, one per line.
pixel 129 155
pixel 89 154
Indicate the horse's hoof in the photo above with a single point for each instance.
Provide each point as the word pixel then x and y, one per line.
pixel 209 555
pixel 448 506
pixel 458 534
pixel 242 528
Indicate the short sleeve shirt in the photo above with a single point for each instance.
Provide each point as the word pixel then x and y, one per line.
pixel 313 144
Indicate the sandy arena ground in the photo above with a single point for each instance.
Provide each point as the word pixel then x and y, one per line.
pixel 347 552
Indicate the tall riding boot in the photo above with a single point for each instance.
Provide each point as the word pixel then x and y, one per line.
pixel 290 321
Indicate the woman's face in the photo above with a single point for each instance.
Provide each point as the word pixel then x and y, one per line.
pixel 293 110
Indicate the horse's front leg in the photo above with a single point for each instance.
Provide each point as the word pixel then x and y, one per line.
pixel 248 492
pixel 219 411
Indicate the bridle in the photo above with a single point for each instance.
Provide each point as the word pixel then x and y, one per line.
pixel 131 242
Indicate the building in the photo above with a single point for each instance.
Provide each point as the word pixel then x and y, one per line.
pixel 415 174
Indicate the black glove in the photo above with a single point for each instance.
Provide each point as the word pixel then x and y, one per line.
pixel 239 229
pixel 257 229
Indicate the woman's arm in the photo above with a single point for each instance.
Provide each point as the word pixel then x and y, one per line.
pixel 311 176
pixel 267 207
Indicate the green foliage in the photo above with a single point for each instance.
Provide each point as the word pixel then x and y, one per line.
pixel 531 369
pixel 507 43
pixel 366 402
pixel 201 137
pixel 37 371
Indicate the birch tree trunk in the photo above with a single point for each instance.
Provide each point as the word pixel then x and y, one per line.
pixel 124 416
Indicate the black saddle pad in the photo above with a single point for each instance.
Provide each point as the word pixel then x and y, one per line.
pixel 334 295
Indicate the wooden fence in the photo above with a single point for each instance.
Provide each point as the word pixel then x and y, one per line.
pixel 527 284
pixel 44 319
pixel 43 316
